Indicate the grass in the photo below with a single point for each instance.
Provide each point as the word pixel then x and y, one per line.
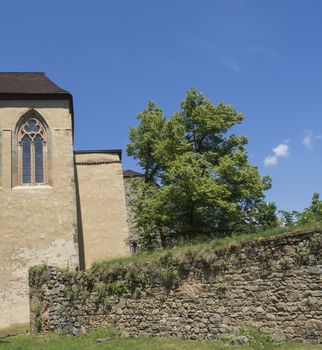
pixel 88 342
pixel 14 329
pixel 205 246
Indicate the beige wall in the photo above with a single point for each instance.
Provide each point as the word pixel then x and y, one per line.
pixel 37 224
pixel 102 204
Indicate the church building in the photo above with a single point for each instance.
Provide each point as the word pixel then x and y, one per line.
pixel 58 206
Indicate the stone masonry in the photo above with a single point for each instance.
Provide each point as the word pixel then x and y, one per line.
pixel 274 284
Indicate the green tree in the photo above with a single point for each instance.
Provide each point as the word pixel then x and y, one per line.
pixel 198 180
pixel 144 140
pixel 287 218
pixel 311 214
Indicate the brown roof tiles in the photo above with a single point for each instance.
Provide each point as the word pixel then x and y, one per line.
pixel 131 173
pixel 32 83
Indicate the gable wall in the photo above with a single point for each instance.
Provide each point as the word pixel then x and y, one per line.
pixel 37 224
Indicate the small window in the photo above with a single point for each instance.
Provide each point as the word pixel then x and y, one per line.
pixel 32 152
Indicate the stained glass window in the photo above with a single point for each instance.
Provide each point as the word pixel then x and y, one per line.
pixel 26 159
pixel 32 126
pixel 32 152
pixel 39 159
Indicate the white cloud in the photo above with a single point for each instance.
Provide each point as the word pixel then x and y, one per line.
pixel 270 161
pixel 280 151
pixel 230 64
pixel 309 138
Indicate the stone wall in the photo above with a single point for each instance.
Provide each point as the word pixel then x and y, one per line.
pixel 274 284
pixel 128 198
pixel 129 176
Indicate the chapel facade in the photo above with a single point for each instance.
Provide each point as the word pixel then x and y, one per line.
pixel 58 206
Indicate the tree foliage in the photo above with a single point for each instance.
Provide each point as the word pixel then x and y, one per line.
pixel 197 176
pixel 309 215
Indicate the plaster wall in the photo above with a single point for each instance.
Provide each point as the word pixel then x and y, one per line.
pixel 102 206
pixel 38 224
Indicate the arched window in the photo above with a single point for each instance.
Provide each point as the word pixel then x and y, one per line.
pixel 32 152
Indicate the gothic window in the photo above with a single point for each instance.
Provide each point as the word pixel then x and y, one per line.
pixel 32 152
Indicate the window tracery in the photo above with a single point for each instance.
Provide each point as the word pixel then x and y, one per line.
pixel 32 152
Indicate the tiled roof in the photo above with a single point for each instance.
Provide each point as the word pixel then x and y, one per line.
pixel 95 158
pixel 28 83
pixel 118 152
pixel 131 173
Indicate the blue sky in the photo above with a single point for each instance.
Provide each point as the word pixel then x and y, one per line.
pixel 263 57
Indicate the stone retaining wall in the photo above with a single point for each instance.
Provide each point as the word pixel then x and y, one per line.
pixel 274 284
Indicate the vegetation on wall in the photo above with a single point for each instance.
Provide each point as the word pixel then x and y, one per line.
pixel 129 291
pixel 198 180
pixel 164 268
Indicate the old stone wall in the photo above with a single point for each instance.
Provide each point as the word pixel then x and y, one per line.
pixel 130 176
pixel 38 224
pixel 128 188
pixel 274 284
